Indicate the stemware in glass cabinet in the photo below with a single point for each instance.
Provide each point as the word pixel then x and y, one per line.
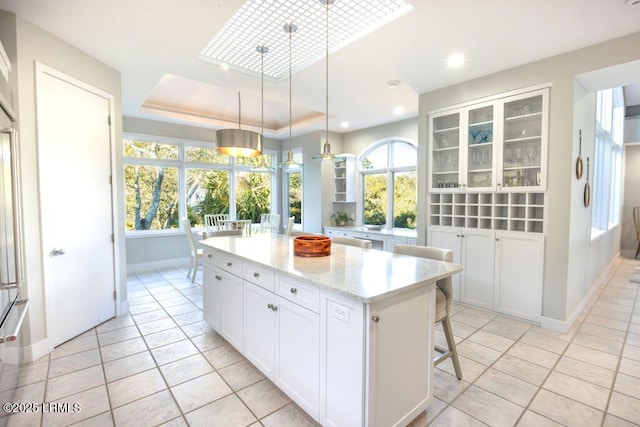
pixel 522 142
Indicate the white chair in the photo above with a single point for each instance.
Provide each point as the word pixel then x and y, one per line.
pixel 444 300
pixel 290 225
pixel 211 221
pixel 269 223
pixel 352 241
pixel 196 253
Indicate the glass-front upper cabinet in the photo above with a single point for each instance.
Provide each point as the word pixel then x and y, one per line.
pixel 524 144
pixel 480 142
pixel 445 150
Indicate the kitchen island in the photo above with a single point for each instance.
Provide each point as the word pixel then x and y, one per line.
pixel 348 337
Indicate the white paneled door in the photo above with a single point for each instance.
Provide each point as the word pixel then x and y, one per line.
pixel 74 154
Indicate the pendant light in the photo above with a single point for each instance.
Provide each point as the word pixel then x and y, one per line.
pixel 290 163
pixel 326 154
pixel 239 142
pixel 263 167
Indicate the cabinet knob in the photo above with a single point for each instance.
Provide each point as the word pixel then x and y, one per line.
pixel 294 290
pixel 462 235
pixel 218 277
pixel 274 308
pixel 497 240
pixel 256 274
pixel 270 306
pixel 209 255
pixel 457 235
pixel 229 264
pixel 375 318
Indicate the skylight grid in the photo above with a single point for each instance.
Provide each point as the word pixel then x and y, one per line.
pixel 260 22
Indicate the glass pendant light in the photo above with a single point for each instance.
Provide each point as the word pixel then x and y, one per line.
pixel 263 167
pixel 290 163
pixel 326 154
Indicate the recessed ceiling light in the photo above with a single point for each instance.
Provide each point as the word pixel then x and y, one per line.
pixel 398 110
pixel 456 60
pixel 344 125
pixel 259 22
pixel 393 83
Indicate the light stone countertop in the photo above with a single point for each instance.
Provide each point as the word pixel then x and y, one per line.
pixel 366 275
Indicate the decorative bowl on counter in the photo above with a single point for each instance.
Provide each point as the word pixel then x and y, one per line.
pixel 312 246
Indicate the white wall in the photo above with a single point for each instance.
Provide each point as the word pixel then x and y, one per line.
pixel 631 199
pixel 34 44
pixel 561 72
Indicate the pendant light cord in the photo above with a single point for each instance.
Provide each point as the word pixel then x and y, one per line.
pixel 327 75
pixel 290 66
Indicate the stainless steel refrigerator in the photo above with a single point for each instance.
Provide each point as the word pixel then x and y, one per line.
pixel 13 305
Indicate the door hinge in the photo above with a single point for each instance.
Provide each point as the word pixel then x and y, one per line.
pixel 112 238
pixel 110 179
pixel 109 120
pixel 114 295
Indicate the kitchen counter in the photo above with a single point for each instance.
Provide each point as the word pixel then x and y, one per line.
pixel 348 336
pixel 364 275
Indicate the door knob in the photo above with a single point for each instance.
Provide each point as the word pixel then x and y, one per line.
pixel 56 252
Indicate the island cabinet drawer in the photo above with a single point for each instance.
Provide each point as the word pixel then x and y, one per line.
pixel 258 275
pixel 303 294
pixel 227 262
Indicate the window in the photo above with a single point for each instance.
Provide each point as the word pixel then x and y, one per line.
pixel 292 178
pixel 390 184
pixel 607 164
pixel 166 181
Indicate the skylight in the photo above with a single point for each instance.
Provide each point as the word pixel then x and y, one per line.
pixel 260 22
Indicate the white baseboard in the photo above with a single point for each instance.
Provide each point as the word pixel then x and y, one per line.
pixel 36 350
pixel 144 267
pixel 123 308
pixel 563 326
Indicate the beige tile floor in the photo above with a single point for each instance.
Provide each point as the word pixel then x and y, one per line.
pixel 162 365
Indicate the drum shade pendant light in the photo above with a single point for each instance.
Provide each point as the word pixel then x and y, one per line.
pixel 290 163
pixel 239 142
pixel 263 167
pixel 326 154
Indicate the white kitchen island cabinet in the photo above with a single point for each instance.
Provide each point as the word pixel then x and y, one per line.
pixel 349 337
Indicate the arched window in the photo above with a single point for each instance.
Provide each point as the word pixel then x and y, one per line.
pixel 389 184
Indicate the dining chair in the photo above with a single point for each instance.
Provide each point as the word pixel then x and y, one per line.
pixel 352 241
pixel 196 253
pixel 211 221
pixel 636 221
pixel 444 300
pixel 269 223
pixel 290 225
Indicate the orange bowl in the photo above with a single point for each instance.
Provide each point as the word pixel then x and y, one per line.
pixel 312 246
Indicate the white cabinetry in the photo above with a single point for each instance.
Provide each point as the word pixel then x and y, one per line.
pixel 502 271
pixel 259 328
pixel 344 176
pixel 297 354
pixel 519 274
pixel 336 357
pixel 474 250
pixel 282 337
pixel 489 146
pixel 225 318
